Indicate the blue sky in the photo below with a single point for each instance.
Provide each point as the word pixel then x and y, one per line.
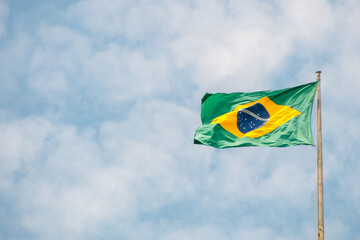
pixel 99 101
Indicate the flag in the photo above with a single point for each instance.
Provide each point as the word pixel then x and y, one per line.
pixel 277 118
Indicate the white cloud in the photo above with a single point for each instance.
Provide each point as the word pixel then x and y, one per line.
pixel 57 56
pixel 22 142
pixel 73 183
pixel 104 18
pixel 203 35
pixel 243 44
pixel 62 180
pixel 213 42
pixel 224 45
pixel 123 74
pixel 244 178
pixel 308 21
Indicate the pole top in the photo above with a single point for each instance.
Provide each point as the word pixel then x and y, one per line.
pixel 318 75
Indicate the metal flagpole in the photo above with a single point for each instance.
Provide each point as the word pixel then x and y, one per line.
pixel 320 200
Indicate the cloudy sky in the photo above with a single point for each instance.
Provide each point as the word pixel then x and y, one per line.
pixel 99 101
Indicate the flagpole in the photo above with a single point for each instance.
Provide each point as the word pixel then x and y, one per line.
pixel 320 192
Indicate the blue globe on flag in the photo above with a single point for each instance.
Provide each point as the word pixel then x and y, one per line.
pixel 252 118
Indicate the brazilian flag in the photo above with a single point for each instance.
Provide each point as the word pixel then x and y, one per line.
pixel 278 118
